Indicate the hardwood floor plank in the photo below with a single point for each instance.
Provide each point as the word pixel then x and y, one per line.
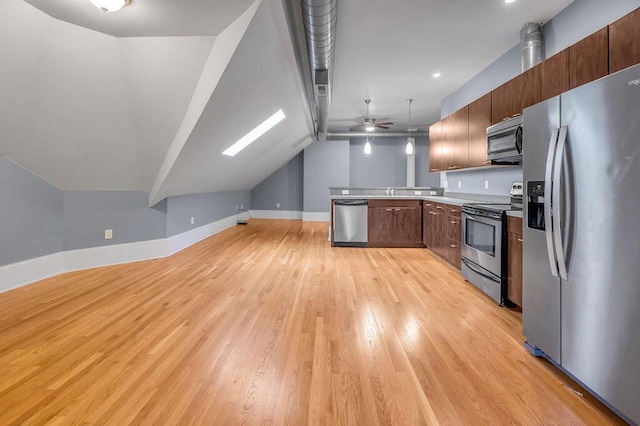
pixel 267 324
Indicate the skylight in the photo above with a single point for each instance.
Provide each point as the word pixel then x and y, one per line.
pixel 251 137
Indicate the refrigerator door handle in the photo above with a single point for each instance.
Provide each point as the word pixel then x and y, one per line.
pixel 548 180
pixel 555 204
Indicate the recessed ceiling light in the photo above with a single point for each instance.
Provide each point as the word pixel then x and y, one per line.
pixel 436 75
pixel 250 137
pixel 509 1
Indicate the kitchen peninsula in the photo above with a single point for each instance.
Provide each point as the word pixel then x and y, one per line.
pixel 401 217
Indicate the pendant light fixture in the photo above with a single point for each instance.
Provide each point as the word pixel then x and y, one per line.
pixel 410 149
pixel 367 147
pixel 110 5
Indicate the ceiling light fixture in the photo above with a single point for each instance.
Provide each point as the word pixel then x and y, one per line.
pixel 110 5
pixel 436 75
pixel 410 141
pixel 370 128
pixel 367 147
pixel 250 137
pixel 509 1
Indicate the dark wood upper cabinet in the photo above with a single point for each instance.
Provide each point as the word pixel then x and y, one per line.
pixel 502 102
pixel 435 147
pixel 527 91
pixel 460 157
pixel 554 75
pixel 624 42
pixel 479 120
pixel 446 142
pixel 589 59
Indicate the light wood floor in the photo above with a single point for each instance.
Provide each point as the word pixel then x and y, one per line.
pixel 267 324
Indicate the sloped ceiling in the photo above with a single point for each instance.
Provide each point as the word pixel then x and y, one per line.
pixel 89 111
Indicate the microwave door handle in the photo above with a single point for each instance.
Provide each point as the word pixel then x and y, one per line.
pixel 557 226
pixel 517 140
pixel 548 179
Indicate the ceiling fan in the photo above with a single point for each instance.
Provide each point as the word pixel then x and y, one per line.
pixel 370 124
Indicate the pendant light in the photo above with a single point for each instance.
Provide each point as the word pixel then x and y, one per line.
pixel 410 149
pixel 367 147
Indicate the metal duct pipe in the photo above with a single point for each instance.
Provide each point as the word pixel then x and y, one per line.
pixel 320 21
pixel 346 135
pixel 531 45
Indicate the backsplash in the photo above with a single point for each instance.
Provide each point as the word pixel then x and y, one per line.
pixel 493 181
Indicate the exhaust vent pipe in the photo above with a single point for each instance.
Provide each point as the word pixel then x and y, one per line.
pixel 532 45
pixel 320 21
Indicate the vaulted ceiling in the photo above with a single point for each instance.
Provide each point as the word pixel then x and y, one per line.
pixel 147 98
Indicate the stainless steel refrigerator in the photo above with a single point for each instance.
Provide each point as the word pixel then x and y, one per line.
pixel 581 249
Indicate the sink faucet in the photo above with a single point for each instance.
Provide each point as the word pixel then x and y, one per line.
pixel 387 191
pixel 391 191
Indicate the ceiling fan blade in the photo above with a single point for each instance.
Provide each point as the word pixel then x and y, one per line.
pixel 383 127
pixel 388 123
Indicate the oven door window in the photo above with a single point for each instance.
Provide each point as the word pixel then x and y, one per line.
pixel 481 237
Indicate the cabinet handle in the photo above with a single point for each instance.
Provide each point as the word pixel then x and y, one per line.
pixel 397 210
pixel 453 246
pixel 438 207
pixel 454 211
pixel 389 210
pixel 454 222
pixel 453 167
pixel 520 239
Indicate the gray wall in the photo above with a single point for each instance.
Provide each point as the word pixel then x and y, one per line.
pixel 326 163
pixel 204 208
pixel 472 181
pixel 31 215
pixel 387 164
pixel 575 22
pixel 88 213
pixel 285 186
pixel 423 176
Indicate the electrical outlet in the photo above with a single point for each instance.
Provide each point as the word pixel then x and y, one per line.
pixel 459 184
pixel 193 220
pixel 277 205
pixel 108 234
pixel 345 192
pixel 486 184
pixel 445 184
pixel 241 206
pixel 417 192
pixel 237 208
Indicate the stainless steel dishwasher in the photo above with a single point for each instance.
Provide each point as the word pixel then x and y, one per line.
pixel 350 223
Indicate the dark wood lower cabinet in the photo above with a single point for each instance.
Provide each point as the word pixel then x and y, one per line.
pixel 514 260
pixel 395 223
pixel 442 231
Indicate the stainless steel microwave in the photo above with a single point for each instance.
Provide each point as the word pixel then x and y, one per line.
pixel 504 141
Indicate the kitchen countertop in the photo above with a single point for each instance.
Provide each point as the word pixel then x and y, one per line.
pixel 436 198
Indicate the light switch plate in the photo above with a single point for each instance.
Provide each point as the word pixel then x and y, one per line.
pixel 345 192
pixel 108 234
pixel 193 220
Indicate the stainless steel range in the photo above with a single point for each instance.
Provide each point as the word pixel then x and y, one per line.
pixel 484 243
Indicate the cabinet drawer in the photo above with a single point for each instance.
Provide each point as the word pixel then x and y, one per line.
pixel 514 225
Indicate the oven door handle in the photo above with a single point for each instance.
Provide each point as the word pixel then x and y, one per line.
pixel 475 269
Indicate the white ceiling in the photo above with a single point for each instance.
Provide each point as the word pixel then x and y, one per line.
pixel 149 18
pixel 86 110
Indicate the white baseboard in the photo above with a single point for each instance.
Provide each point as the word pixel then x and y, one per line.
pixel 26 272
pixel 22 273
pixel 96 257
pixel 181 241
pixel 316 216
pixel 276 214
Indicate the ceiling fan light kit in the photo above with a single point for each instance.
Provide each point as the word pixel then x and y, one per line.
pixel 110 5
